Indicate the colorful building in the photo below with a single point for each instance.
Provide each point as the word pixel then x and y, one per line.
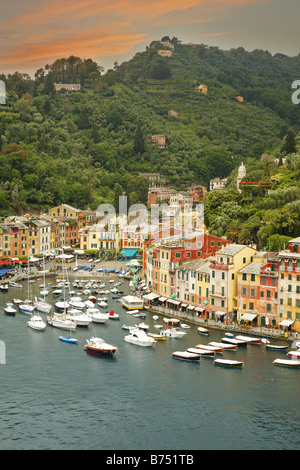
pixel 223 290
pixel 289 286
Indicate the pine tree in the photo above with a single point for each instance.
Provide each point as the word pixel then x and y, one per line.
pixel 139 146
pixel 290 144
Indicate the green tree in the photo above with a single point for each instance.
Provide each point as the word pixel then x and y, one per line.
pixel 139 144
pixel 290 144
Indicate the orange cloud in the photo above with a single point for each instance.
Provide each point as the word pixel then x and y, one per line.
pixel 84 45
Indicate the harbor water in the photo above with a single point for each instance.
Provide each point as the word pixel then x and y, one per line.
pixel 54 395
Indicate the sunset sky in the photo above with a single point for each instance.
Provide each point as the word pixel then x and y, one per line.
pixel 34 33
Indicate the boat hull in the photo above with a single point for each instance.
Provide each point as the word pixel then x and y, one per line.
pixel 186 356
pixel 99 351
pixel 286 363
pixel 68 339
pixel 228 363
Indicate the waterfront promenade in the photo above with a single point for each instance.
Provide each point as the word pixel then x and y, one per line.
pixel 54 269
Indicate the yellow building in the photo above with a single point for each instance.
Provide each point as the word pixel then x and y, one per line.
pixel 83 217
pixel 223 290
pixel 101 238
pixel 202 287
pixel 167 277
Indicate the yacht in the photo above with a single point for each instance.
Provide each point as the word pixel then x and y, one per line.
pixel 98 347
pixel 59 320
pixel 36 323
pixel 140 338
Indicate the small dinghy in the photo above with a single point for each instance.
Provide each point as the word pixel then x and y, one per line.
pixel 186 356
pixel 68 339
pixel 203 331
pixel 228 363
pixel 276 347
pixel 286 363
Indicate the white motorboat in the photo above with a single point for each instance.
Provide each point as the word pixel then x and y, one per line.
pixel 62 305
pixel 101 303
pixel 9 310
pixel 139 337
pixel 174 332
pixel 60 321
pixel 99 317
pixel 228 363
pixel 186 356
pixel 142 326
pixel 4 287
pixel 42 306
pixel 76 302
pixel 98 347
pixel 79 317
pixel 36 323
pixel 155 317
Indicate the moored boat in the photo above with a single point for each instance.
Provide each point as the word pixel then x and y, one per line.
pixel 237 342
pixel 249 339
pixel 26 308
pixel 286 363
pixel 209 347
pixel 139 337
pixel 203 331
pixel 9 310
pixel 276 347
pixel 36 323
pixel 294 353
pixel 68 339
pixel 98 347
pixel 113 316
pixel 171 321
pixel 60 321
pixel 201 352
pixel 157 336
pixel 15 284
pixel 225 346
pixel 228 363
pixel 174 332
pixel 186 356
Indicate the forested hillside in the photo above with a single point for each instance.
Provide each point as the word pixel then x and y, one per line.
pixel 84 148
